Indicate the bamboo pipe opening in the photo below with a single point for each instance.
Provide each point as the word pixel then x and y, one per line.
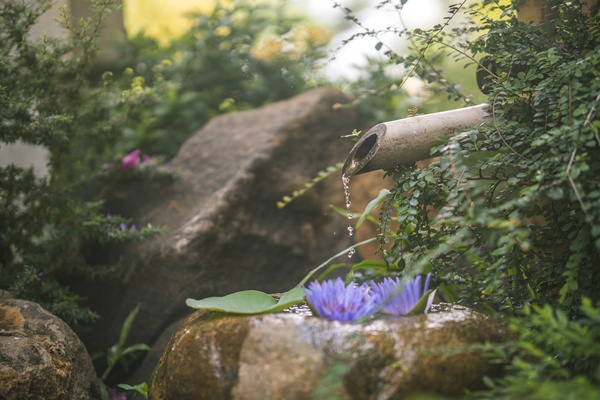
pixel 409 140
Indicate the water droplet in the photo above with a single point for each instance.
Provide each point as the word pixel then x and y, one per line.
pixel 346 182
pixel 351 253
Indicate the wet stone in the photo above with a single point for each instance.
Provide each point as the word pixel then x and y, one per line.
pixel 41 357
pixel 295 356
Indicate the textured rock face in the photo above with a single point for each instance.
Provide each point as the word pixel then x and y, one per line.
pixel 291 356
pixel 225 232
pixel 41 357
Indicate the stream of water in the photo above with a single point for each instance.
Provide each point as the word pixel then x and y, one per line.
pixel 346 183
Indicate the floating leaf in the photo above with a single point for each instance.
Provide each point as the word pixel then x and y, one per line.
pixel 248 302
pixel 257 302
pixel 289 298
pixel 377 267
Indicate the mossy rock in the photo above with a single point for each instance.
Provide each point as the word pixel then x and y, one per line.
pixel 295 356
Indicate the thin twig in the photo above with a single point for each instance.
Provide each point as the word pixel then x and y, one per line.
pixel 429 42
pixel 458 175
pixel 574 185
pixel 570 104
pixel 591 116
pixel 456 49
pixel 500 133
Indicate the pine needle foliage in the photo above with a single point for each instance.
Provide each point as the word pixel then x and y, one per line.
pixel 47 98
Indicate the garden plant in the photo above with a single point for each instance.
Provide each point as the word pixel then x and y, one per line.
pixel 102 127
pixel 506 220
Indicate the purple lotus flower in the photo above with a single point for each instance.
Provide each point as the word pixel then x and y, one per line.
pixel 399 298
pixel 334 300
pixel 131 160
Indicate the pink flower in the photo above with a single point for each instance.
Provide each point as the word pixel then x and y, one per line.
pixel 131 160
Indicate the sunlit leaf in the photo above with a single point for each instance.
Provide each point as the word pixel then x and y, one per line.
pixel 424 302
pixel 127 326
pixel 341 253
pixel 248 302
pixel 372 205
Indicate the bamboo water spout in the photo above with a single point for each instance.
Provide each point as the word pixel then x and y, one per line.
pixel 409 140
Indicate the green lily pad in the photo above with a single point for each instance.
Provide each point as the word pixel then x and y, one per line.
pixel 256 302
pixel 248 302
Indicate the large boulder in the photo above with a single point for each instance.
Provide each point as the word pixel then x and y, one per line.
pixel 41 357
pixel 225 232
pixel 293 356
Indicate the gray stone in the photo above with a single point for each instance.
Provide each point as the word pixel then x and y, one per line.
pixel 41 357
pixel 225 231
pixel 276 356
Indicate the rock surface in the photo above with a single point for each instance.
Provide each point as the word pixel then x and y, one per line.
pixel 225 231
pixel 41 357
pixel 291 356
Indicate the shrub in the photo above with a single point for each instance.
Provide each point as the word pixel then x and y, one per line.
pixel 48 99
pixel 518 197
pixel 51 95
pixel 507 218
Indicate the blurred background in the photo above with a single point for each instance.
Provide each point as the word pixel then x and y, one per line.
pixel 205 57
pixel 167 20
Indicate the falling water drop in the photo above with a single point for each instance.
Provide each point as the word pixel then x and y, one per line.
pixel 346 183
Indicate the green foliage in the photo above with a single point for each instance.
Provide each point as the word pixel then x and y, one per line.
pixel 140 388
pixel 507 218
pixel 235 57
pixel 554 357
pixel 47 98
pixel 320 176
pixel 118 354
pixel 516 202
